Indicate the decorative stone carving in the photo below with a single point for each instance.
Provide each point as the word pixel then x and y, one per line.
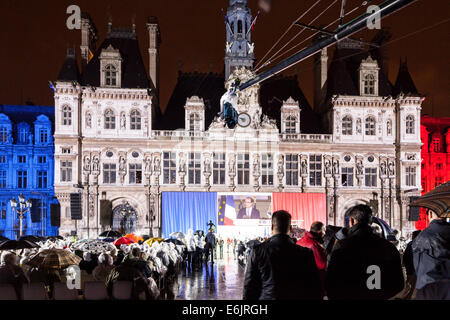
pixel 207 169
pixel 268 123
pixel 256 171
pixel 391 168
pixel 87 165
pixel 358 126
pixel 336 167
pixel 88 120
pixel 327 166
pixel 122 120
pixel 95 165
pixel 232 170
pixel 280 171
pixel 359 168
pixel 182 170
pixel 256 121
pixel 383 168
pixel 304 165
pixel 148 164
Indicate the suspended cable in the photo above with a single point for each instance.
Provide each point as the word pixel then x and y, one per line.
pixel 300 32
pixel 293 23
pixel 298 44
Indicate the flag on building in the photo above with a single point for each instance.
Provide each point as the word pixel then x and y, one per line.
pixel 254 21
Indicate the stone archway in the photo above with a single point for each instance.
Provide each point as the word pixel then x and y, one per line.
pixel 125 218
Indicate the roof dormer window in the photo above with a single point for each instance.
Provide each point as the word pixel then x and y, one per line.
pixel 110 75
pixel 368 77
pixel 110 67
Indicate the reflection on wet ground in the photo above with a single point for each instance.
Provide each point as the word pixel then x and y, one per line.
pixel 222 280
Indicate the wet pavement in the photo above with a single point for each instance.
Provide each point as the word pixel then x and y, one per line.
pixel 222 280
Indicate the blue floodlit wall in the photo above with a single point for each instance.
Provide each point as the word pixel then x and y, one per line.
pixel 27 167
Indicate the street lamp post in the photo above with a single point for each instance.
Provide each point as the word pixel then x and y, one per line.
pixel 23 207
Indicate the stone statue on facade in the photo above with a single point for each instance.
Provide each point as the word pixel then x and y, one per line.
pixel 383 168
pixel 87 164
pixel 148 165
pixel 122 164
pixel 359 168
pixel 327 166
pixel 358 126
pixel 122 121
pixel 95 165
pixel 336 167
pixel 304 169
pixel 391 168
pixel 88 120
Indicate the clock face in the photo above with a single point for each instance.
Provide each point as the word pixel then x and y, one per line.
pixel 244 119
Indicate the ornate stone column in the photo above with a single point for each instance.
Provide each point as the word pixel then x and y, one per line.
pixel 303 171
pixel 280 172
pixel 232 171
pixel 207 170
pixel 122 166
pixel 182 170
pixel 256 172
pixel 359 170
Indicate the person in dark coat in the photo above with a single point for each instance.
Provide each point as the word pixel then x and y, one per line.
pixel 278 269
pixel 209 246
pixel 11 273
pixel 363 265
pixel 408 263
pixel 431 252
pixel 249 211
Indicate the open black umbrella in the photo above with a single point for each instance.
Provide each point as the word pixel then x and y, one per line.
pixel 175 242
pixel 437 200
pixel 108 239
pixel 2 238
pixel 31 238
pixel 17 244
pixel 55 238
pixel 110 234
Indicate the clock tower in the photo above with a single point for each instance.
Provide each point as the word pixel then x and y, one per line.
pixel 238 48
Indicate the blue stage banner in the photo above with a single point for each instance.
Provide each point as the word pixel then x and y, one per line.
pixel 182 211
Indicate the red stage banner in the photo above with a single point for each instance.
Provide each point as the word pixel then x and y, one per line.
pixel 308 207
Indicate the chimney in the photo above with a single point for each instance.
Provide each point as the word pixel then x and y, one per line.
pixel 88 38
pixel 320 77
pixel 153 52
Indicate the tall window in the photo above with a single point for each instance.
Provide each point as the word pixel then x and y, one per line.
pixel 135 173
pixel 411 176
pixel 66 171
pixel 194 122
pixel 23 135
pixel 315 170
pixel 292 169
pixel 410 124
pixel 42 179
pixel 66 116
pixel 43 135
pixel 109 173
pixel 371 177
pixel 22 179
pixel 110 75
pixel 347 177
pixel 369 84
pixel 243 168
pixel 3 210
pixel 3 135
pixel 135 120
pixel 2 159
pixel 2 179
pixel 438 181
pixel 267 169
pixel 194 168
pixel 436 145
pixel 239 26
pixel 170 167
pixel 110 119
pixel 42 159
pixel 22 159
pixel 370 126
pixel 219 168
pixel 291 126
pixel 347 126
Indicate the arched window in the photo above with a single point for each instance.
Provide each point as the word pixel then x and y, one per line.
pixel 135 120
pixel 291 124
pixel 110 119
pixel 66 116
pixel 410 124
pixel 110 75
pixel 370 126
pixel 194 122
pixel 369 84
pixel 3 135
pixel 347 126
pixel 436 145
pixel 239 26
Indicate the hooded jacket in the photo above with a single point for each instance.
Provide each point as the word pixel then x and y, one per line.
pixel 309 241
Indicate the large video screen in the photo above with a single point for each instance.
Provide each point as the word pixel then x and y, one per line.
pixel 244 208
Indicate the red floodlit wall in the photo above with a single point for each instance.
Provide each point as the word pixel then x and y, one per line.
pixel 435 136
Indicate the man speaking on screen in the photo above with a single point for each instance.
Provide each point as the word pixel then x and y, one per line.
pixel 249 211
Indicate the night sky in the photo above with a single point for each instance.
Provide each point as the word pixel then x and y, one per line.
pixel 34 37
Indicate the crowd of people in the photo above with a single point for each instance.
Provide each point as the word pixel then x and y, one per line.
pixel 350 263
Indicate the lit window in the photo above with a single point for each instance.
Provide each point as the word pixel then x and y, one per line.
pixel 169 168
pixel 267 169
pixel 292 169
pixel 110 119
pixel 135 173
pixel 66 116
pixel 109 173
pixel 110 75
pixel 410 124
pixel 219 168
pixel 347 125
pixel 22 179
pixel 3 135
pixel 315 170
pixel 347 177
pixel 243 168
pixel 194 168
pixel 194 122
pixel 135 117
pixel 66 171
pixel 43 135
pixel 411 176
pixel 42 179
pixel 369 84
pixel 291 125
pixel 370 126
pixel 371 177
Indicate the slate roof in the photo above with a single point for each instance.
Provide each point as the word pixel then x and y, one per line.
pixel 404 83
pixel 69 70
pixel 210 87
